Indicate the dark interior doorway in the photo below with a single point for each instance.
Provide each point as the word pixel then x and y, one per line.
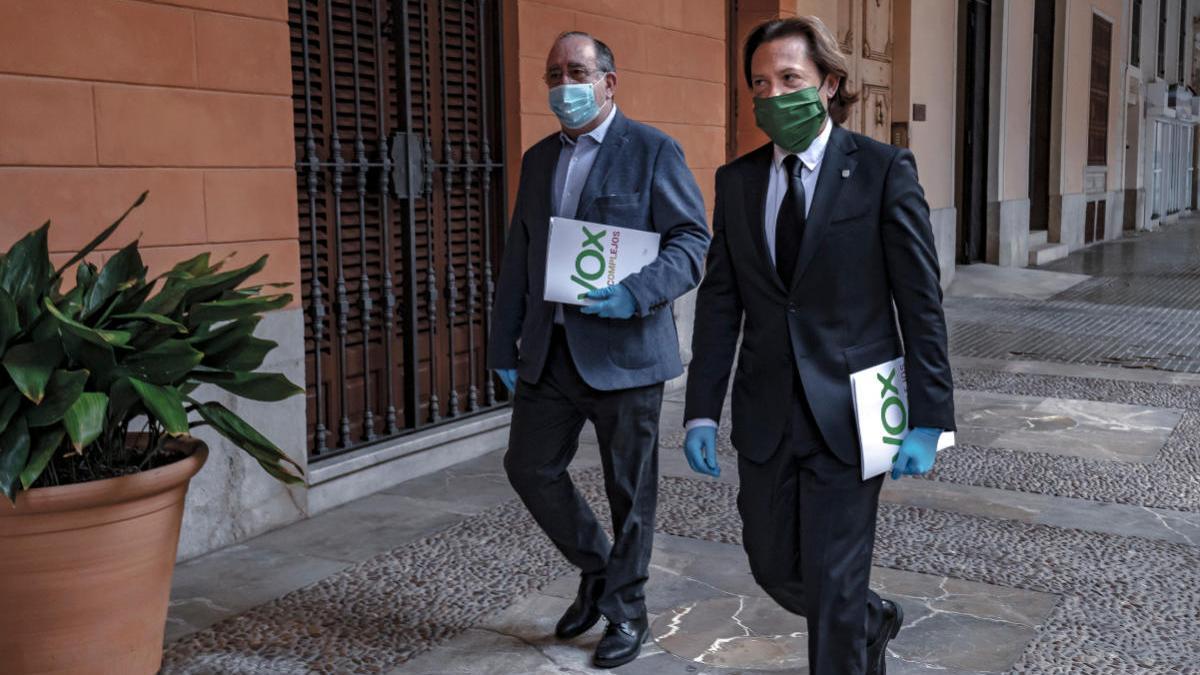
pixel 975 24
pixel 1039 115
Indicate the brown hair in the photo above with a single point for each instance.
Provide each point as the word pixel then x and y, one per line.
pixel 822 49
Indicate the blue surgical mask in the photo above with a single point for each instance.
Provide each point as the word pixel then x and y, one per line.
pixel 574 104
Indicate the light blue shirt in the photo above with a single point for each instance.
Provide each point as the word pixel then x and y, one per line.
pixel 575 161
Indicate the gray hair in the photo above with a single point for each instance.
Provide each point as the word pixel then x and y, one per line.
pixel 604 56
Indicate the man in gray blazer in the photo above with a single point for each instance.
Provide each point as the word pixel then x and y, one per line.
pixel 604 363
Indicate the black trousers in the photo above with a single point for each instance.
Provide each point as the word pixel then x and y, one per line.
pixel 546 421
pixel 808 524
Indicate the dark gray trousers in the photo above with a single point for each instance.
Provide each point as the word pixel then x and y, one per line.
pixel 808 527
pixel 546 421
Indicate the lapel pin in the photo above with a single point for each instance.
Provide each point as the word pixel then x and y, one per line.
pixel 845 173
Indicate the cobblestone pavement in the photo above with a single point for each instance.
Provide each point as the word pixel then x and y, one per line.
pixel 1022 552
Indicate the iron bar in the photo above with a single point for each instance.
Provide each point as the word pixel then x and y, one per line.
pixel 472 392
pixel 435 413
pixel 448 208
pixel 364 279
pixel 485 160
pixel 385 222
pixel 412 359
pixel 502 124
pixel 312 172
pixel 339 168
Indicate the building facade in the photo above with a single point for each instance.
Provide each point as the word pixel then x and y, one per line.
pixel 371 148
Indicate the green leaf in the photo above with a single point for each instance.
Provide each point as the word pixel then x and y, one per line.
pixel 246 437
pixel 151 317
pixel 248 354
pixel 30 365
pixel 98 359
pixel 44 446
pixel 10 401
pixel 212 340
pixel 103 338
pixel 103 236
pixel 193 267
pixel 240 308
pixel 164 404
pixel 10 323
pixel 84 421
pixel 254 386
pixel 85 276
pixel 129 300
pixel 166 302
pixel 121 399
pixel 212 286
pixel 62 392
pixel 124 268
pixel 165 363
pixel 25 271
pixel 14 453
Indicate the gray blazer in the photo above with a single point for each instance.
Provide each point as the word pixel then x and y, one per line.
pixel 640 180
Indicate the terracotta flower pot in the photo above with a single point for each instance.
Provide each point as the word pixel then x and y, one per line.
pixel 85 571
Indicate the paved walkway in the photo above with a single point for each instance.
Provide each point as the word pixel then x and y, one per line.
pixel 1061 536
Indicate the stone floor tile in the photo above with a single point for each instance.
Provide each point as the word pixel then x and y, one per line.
pixel 1121 519
pixel 232 580
pixel 992 281
pixel 363 528
pixel 1099 430
pixel 466 488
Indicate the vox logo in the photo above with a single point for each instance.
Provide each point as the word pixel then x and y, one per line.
pixel 893 412
pixel 589 263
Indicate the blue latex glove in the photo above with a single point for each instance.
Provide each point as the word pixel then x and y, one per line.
pixel 616 302
pixel 700 448
pixel 509 377
pixel 917 452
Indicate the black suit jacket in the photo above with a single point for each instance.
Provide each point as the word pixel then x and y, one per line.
pixel 866 276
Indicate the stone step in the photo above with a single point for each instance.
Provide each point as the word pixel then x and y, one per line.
pixel 1044 253
pixel 1038 238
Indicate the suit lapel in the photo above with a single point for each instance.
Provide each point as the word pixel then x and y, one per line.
pixel 836 166
pixel 606 157
pixel 754 186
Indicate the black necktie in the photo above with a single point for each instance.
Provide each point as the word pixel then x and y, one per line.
pixel 789 225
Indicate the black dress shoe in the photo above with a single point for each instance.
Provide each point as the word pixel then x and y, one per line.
pixel 889 627
pixel 583 613
pixel 621 642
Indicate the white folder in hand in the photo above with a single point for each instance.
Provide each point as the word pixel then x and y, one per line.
pixel 583 256
pixel 880 396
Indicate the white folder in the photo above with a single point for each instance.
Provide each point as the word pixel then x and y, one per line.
pixel 880 396
pixel 582 256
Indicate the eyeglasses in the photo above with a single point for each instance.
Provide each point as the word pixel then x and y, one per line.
pixel 576 74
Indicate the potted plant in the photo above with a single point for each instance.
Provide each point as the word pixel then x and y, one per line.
pixel 99 390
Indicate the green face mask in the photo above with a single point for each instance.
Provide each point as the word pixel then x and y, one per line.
pixel 791 120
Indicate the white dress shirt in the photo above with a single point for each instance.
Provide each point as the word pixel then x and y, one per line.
pixel 777 185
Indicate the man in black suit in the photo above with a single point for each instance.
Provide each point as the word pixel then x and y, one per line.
pixel 815 236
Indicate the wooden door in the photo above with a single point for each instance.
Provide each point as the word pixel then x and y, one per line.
pixel 864 30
